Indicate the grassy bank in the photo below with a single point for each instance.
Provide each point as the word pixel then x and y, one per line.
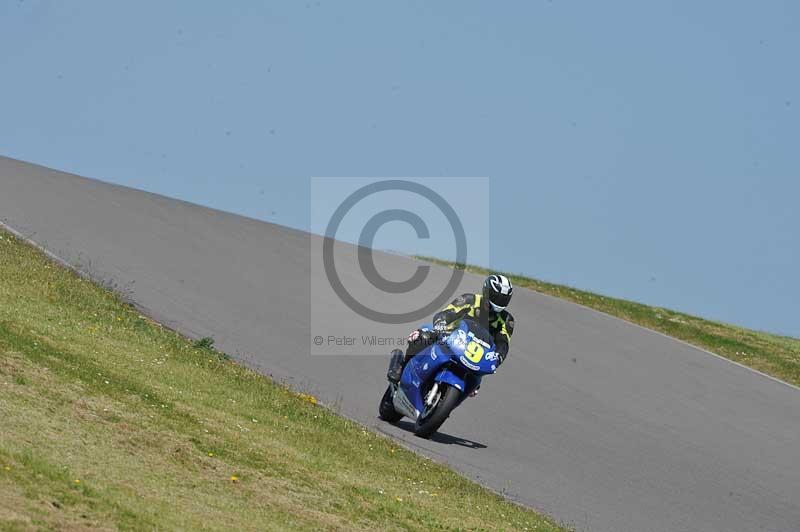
pixel 774 355
pixel 110 421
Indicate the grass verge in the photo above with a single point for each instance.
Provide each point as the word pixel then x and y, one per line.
pixel 778 356
pixel 110 421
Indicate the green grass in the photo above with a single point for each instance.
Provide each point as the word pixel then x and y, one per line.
pixel 774 355
pixel 109 421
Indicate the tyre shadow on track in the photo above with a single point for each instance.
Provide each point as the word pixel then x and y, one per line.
pixel 441 437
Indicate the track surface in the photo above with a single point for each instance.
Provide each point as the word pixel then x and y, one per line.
pixel 602 424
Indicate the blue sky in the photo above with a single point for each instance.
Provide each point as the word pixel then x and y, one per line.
pixel 639 149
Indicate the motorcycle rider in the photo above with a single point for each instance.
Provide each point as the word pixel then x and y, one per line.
pixel 488 308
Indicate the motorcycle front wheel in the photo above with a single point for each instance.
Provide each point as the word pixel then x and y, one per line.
pixel 433 416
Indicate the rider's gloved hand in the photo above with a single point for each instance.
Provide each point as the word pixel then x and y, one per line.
pixel 440 331
pixel 440 327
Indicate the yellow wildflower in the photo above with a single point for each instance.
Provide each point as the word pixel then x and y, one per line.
pixel 306 397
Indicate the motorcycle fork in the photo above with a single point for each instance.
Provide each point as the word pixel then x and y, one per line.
pixel 431 396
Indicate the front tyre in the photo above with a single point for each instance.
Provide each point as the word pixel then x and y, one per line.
pixel 386 411
pixel 432 418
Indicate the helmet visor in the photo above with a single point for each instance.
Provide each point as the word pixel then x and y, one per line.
pixel 500 300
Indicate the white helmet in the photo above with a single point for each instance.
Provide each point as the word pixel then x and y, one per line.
pixel 497 291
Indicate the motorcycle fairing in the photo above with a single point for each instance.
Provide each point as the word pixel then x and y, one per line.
pixel 419 371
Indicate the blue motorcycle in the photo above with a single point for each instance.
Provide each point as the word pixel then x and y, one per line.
pixel 440 377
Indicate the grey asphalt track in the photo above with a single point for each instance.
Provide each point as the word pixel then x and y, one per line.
pixel 597 422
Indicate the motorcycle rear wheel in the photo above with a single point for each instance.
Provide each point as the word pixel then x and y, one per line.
pixel 429 421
